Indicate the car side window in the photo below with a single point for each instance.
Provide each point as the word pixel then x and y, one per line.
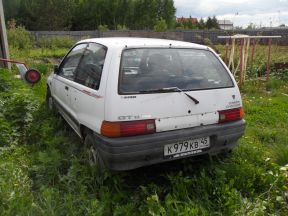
pixel 71 62
pixel 90 67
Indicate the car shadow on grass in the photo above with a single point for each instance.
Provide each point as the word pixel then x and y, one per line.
pixel 158 173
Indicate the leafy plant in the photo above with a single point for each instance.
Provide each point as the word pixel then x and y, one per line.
pixel 103 28
pixel 18 36
pixel 160 26
pixel 122 28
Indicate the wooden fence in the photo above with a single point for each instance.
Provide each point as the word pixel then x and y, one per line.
pixel 195 36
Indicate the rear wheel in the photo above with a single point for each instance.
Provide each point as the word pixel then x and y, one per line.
pixel 93 154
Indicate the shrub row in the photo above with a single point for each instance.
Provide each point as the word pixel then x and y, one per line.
pixel 20 38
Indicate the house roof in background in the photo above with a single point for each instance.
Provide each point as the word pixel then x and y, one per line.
pixel 189 19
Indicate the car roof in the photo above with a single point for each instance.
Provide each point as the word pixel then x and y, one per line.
pixel 141 42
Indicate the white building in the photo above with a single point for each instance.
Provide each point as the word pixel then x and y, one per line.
pixel 225 24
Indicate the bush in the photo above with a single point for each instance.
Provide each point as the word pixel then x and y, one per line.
pixel 18 36
pixel 5 135
pixel 281 74
pixel 55 42
pixel 160 26
pixel 122 28
pixel 103 28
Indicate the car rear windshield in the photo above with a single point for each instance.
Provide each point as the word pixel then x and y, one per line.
pixel 147 69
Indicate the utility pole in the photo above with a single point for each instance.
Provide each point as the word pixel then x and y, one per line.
pixel 4 51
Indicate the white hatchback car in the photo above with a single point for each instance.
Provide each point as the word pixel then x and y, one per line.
pixel 137 102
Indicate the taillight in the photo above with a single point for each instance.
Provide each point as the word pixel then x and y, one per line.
pixel 128 128
pixel 231 115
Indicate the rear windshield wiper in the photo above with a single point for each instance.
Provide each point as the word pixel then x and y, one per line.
pixel 170 89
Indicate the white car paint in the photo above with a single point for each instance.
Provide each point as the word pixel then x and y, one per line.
pixel 187 116
pixel 171 110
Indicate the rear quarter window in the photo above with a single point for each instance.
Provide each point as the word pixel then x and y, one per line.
pixel 155 68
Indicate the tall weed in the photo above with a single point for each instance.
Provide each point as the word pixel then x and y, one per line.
pixel 19 37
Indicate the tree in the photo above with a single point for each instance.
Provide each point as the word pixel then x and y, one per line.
pixel 45 14
pixel 201 24
pixel 215 23
pixel 251 26
pixel 11 8
pixel 122 27
pixel 212 23
pixel 103 28
pixel 89 14
pixel 179 26
pixel 209 23
pixel 160 26
pixel 168 12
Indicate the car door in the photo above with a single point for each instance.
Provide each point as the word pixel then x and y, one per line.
pixel 87 101
pixel 64 81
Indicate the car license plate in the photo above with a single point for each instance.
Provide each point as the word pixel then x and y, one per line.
pixel 186 147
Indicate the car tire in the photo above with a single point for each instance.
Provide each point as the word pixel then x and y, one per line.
pixel 92 153
pixel 50 101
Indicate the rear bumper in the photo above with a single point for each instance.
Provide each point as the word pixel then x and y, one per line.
pixel 127 153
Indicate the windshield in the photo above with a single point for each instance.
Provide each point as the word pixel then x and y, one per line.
pixel 148 69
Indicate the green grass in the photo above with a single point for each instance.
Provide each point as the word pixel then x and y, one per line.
pixel 43 170
pixel 41 56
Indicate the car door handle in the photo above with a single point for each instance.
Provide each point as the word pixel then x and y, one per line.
pixel 66 88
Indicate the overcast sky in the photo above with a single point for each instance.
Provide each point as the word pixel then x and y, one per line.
pixel 264 13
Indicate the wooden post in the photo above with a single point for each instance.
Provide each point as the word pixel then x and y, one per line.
pixel 246 56
pixel 253 51
pixel 4 51
pixel 226 51
pixel 241 76
pixel 269 59
pixel 231 56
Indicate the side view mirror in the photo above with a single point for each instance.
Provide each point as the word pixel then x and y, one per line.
pixel 56 69
pixel 30 76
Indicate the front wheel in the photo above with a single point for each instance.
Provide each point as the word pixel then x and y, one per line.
pixel 49 100
pixel 93 154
